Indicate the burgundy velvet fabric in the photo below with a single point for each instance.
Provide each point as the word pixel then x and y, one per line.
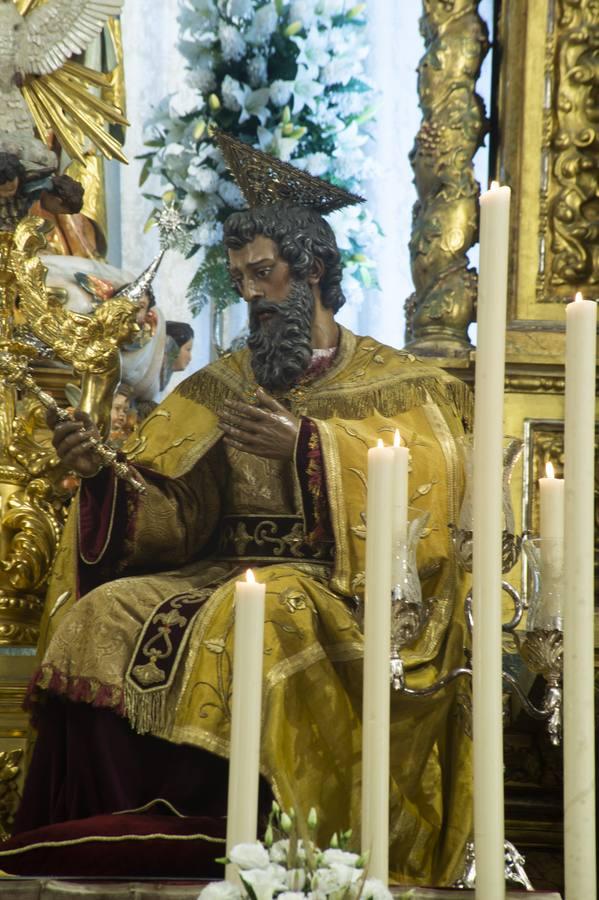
pixel 88 763
pixel 131 846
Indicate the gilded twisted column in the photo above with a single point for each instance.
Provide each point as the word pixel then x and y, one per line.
pixel 441 308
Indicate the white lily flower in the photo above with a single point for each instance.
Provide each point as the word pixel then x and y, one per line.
pixel 232 44
pixel 295 879
pixel 231 93
pixel 334 855
pixel 257 70
pixel 314 163
pixel 280 92
pixel 305 90
pixel 220 890
pixel 233 197
pixel 250 856
pixel 314 48
pixel 237 9
pixel 263 882
pixel 303 11
pixel 263 24
pixel 274 142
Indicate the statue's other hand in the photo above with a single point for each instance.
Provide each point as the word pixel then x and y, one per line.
pixel 71 442
pixel 267 430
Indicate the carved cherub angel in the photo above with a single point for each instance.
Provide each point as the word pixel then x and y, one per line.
pixel 89 343
pixel 39 44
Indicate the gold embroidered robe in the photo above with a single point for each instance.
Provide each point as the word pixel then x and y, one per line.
pixel 181 546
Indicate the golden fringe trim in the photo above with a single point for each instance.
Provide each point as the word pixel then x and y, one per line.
pixel 147 711
pixel 348 401
pixel 112 839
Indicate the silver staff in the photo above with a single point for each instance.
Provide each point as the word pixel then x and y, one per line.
pixel 16 369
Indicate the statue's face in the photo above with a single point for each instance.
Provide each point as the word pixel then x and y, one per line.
pixel 9 188
pixel 281 308
pixel 258 272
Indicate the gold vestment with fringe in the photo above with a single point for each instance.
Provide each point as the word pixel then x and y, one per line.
pixel 173 577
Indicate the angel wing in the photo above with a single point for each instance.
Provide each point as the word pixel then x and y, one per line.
pixel 52 33
pixel 89 343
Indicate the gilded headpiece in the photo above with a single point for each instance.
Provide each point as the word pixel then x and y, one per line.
pixel 265 180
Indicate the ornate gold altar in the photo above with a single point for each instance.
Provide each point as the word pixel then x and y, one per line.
pixel 545 145
pixel 70 103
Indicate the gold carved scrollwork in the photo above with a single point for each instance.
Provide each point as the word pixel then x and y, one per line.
pixel 569 236
pixel 35 522
pixel 31 498
pixel 440 310
pixel 89 343
pixel 10 770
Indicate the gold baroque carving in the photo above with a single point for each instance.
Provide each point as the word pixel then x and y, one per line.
pixel 31 498
pixel 440 310
pixel 10 769
pixel 569 236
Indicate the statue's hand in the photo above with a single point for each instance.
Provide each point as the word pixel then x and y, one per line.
pixel 267 430
pixel 71 442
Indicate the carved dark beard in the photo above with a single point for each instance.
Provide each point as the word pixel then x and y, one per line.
pixel 281 346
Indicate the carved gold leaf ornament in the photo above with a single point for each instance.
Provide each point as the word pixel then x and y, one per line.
pixel 89 343
pixel 36 525
pixel 10 796
pixel 568 231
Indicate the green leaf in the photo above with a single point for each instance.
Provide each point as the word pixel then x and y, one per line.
pixel 145 171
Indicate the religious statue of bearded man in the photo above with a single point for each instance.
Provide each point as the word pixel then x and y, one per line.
pixel 259 460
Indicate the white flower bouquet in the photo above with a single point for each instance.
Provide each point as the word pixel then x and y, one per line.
pixel 291 867
pixel 288 76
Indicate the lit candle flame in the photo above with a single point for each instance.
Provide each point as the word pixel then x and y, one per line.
pixel 379 443
pixel 578 297
pixel 549 470
pixel 494 186
pixel 397 438
pixel 250 577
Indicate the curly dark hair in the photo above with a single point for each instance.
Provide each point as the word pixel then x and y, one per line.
pixel 11 168
pixel 181 332
pixel 301 234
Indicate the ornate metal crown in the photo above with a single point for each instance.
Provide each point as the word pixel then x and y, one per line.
pixel 265 180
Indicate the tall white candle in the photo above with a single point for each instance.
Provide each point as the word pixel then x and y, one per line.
pixel 377 648
pixel 487 515
pixel 244 758
pixel 579 724
pixel 401 456
pixel 551 532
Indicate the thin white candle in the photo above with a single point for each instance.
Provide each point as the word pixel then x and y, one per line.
pixel 377 647
pixel 579 723
pixel 244 757
pixel 551 532
pixel 487 515
pixel 401 456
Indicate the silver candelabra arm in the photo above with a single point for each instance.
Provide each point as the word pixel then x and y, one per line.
pixel 540 649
